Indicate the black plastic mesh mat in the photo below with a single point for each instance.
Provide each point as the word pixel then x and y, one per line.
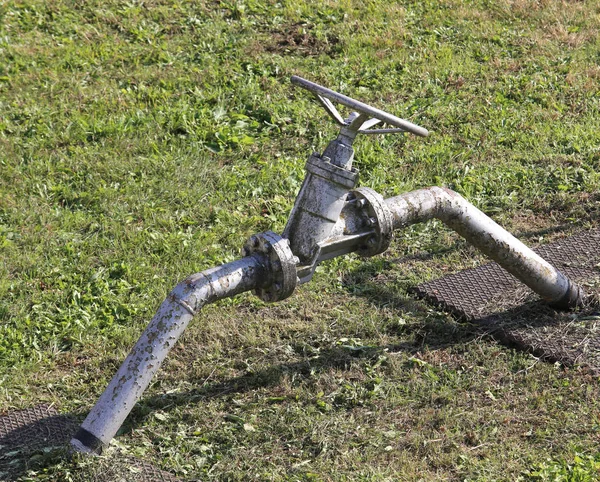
pixel 28 435
pixel 118 468
pixel 490 296
pixel 34 435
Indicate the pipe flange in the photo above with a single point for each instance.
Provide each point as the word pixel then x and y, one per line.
pixel 280 262
pixel 377 216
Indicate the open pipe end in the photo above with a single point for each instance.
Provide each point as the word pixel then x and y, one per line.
pixel 86 442
pixel 573 298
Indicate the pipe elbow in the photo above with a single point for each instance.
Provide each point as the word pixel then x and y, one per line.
pixel 448 204
pixel 192 293
pixel 214 284
pixel 485 234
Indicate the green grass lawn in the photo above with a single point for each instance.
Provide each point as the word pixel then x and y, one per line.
pixel 143 141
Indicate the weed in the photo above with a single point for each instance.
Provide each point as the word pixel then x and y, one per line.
pixel 144 141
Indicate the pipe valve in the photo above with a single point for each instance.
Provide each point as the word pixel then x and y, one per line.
pixel 330 217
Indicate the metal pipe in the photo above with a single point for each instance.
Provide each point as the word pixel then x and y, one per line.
pixel 486 235
pixel 144 360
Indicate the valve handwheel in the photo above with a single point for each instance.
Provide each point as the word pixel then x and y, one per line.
pixel 364 116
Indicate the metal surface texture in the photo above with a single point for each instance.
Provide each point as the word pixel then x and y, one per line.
pixel 365 226
pixel 326 95
pixel 491 239
pixel 317 209
pixel 378 217
pixel 169 323
pixel 281 264
pixel 491 297
pixel 28 435
pixel 329 218
pixel 25 433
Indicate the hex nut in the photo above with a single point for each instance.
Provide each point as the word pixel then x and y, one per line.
pixel 378 216
pixel 280 263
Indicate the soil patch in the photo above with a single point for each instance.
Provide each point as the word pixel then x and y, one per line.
pixel 300 39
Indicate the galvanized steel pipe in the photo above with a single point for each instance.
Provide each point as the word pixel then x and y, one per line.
pixel 162 333
pixel 491 239
pixel 328 220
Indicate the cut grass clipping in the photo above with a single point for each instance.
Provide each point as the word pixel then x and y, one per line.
pixel 144 141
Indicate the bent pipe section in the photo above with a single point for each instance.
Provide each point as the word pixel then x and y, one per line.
pixel 144 360
pixel 490 238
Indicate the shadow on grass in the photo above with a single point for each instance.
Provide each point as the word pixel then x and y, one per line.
pixel 39 437
pixel 515 317
pixel 435 334
pixel 516 320
pixel 32 438
pixel 35 439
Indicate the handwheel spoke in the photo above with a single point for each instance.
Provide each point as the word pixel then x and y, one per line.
pixel 328 97
pixel 370 123
pixel 331 110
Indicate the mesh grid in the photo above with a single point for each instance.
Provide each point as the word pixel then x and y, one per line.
pixel 490 296
pixel 30 432
pixel 28 435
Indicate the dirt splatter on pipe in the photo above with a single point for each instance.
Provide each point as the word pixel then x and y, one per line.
pixel 146 357
pixel 490 238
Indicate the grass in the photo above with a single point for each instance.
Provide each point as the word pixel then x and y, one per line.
pixel 144 141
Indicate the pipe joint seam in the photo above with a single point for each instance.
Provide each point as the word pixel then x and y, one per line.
pixel 377 216
pixel 280 265
pixel 574 297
